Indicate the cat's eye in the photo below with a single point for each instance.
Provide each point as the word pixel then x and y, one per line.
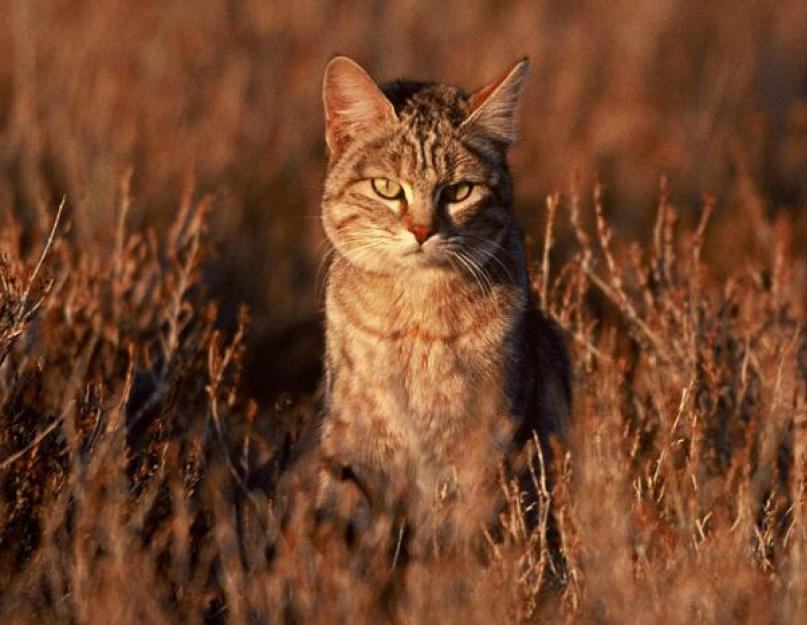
pixel 386 188
pixel 456 192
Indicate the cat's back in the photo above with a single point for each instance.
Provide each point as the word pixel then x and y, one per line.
pixel 544 380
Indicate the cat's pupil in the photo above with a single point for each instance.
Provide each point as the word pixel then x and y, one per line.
pixel 386 188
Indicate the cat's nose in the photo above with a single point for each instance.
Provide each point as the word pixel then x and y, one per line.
pixel 421 232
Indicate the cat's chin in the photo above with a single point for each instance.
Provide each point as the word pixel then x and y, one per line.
pixel 423 259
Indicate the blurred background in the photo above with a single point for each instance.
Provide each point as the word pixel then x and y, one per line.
pixel 712 95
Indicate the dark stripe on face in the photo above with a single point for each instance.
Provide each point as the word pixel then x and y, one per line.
pixel 435 152
pixel 421 142
pixel 413 155
pixel 346 221
pixel 449 162
pixel 492 158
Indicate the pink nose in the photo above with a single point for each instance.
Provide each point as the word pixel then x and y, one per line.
pixel 421 232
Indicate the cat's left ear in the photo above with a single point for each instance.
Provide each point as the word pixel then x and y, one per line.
pixel 353 103
pixel 493 107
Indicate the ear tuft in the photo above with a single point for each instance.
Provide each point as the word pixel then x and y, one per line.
pixel 353 103
pixel 493 107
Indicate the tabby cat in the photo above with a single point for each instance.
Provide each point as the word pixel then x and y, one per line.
pixel 439 366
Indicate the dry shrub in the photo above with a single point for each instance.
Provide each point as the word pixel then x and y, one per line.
pixel 713 96
pixel 689 450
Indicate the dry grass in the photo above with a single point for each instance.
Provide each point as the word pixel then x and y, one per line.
pixel 138 479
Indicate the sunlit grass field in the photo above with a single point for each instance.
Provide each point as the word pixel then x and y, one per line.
pixel 160 324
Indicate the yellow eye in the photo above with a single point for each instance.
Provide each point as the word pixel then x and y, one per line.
pixel 456 192
pixel 386 188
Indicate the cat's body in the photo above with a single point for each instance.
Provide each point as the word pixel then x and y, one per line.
pixel 438 363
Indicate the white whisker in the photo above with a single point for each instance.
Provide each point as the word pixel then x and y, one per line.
pixel 353 255
pixel 481 279
pixel 492 255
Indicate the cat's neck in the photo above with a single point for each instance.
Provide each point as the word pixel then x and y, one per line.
pixel 437 303
pixel 418 285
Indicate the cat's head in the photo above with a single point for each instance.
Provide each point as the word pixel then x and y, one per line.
pixel 417 175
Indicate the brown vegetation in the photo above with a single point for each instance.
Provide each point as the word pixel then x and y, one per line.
pixel 137 477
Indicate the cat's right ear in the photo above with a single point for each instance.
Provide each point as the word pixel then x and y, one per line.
pixel 493 107
pixel 353 103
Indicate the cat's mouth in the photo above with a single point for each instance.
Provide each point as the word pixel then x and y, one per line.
pixel 428 254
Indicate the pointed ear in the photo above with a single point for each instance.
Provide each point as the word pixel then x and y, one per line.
pixel 353 103
pixel 493 107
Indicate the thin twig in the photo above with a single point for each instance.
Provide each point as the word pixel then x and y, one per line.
pixel 24 300
pixel 37 439
pixel 551 208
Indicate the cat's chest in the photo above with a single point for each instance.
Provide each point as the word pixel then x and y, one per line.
pixel 437 380
pixel 431 362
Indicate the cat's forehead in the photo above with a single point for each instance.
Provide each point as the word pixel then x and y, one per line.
pixel 429 104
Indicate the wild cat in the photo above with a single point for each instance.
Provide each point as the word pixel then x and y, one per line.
pixel 439 366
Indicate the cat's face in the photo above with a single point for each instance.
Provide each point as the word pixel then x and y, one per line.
pixel 417 177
